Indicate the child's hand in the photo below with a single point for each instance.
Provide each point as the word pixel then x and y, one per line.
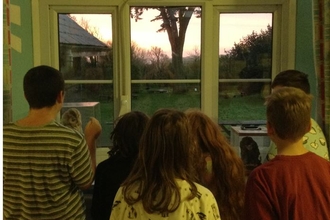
pixel 93 129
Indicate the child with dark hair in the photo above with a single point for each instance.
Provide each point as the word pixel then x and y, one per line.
pixel 113 171
pixel 161 184
pixel 296 183
pixel 45 164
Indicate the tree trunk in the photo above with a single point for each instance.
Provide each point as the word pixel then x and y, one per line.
pixel 177 37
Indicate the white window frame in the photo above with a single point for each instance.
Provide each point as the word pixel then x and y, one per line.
pixel 45 38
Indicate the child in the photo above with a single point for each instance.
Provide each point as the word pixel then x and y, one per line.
pixel 314 139
pixel 161 184
pixel 113 171
pixel 72 119
pixel 222 170
pixel 46 165
pixel 296 183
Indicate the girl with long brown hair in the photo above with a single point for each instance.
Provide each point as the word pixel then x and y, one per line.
pixel 222 170
pixel 161 184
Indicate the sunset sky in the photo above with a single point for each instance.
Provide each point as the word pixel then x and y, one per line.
pixel 233 27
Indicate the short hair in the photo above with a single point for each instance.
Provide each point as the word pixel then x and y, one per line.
pixel 127 133
pixel 292 78
pixel 42 85
pixel 289 112
pixel 164 156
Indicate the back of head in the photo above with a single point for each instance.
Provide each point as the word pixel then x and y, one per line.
pixel 292 78
pixel 210 139
pixel 166 144
pixel 72 118
pixel 164 157
pixel 42 85
pixel 289 112
pixel 206 132
pixel 127 133
pixel 227 183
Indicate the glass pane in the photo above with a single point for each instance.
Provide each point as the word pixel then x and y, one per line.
pixel 150 97
pixel 85 46
pixel 92 100
pixel 245 58
pixel 85 54
pixel 165 46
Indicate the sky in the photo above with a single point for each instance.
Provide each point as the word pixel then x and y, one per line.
pixel 233 27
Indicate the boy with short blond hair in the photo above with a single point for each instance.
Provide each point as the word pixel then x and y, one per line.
pixel 292 106
pixel 296 183
pixel 314 139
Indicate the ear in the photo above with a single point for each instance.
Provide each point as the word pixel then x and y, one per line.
pixel 60 97
pixel 270 129
pixel 309 126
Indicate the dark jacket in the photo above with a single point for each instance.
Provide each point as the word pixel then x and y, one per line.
pixel 108 177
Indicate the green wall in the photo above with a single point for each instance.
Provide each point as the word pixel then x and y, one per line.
pixel 304 46
pixel 23 61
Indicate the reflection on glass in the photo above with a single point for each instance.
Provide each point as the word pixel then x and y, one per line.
pixel 245 58
pixel 165 46
pixel 85 54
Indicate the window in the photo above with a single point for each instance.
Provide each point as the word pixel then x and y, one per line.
pixel 245 66
pixel 165 57
pixel 144 76
pixel 86 60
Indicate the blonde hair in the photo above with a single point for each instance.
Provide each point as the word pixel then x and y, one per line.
pixel 289 112
pixel 72 119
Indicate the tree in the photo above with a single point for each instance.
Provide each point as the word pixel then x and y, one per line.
pixel 94 31
pixel 250 52
pixel 159 64
pixel 193 64
pixel 138 61
pixel 252 47
pixel 158 58
pixel 175 21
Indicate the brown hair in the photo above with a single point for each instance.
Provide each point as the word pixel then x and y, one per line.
pixel 292 78
pixel 42 85
pixel 127 133
pixel 228 180
pixel 164 156
pixel 289 112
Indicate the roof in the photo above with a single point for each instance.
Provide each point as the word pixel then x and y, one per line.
pixel 72 33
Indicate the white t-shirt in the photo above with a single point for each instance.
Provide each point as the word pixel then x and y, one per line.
pixel 204 206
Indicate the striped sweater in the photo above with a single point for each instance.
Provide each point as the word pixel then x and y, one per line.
pixel 43 168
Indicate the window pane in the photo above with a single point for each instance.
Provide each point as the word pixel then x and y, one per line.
pixel 150 97
pixel 245 58
pixel 92 100
pixel 165 52
pixel 85 55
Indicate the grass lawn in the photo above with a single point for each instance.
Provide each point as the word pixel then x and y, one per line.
pixel 242 108
pixel 149 103
pixel 246 108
